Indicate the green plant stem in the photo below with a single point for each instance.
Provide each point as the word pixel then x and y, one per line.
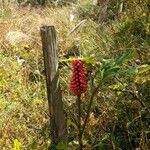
pixel 89 107
pixel 79 122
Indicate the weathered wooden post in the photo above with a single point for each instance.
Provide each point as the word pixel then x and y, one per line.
pixel 54 94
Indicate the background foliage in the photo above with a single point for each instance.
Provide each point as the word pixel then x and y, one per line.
pixel 115 42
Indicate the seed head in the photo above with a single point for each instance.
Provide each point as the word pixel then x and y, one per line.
pixel 78 83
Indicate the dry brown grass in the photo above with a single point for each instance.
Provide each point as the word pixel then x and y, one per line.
pixel 23 105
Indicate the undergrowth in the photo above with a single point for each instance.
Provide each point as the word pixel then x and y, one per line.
pixel 120 113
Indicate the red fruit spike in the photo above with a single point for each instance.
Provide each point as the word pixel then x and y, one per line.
pixel 78 83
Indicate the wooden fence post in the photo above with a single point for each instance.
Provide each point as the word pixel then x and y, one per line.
pixel 54 94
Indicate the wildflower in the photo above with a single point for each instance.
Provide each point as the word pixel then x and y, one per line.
pixel 78 83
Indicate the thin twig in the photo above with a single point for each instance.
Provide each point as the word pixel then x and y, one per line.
pixel 76 27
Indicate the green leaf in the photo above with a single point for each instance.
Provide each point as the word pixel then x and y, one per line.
pixel 102 74
pixel 61 146
pixel 107 65
pixel 84 142
pixel 111 72
pixel 89 60
pixel 34 145
pixel 102 60
pixel 120 60
pixel 118 86
pixel 131 70
pixel 70 123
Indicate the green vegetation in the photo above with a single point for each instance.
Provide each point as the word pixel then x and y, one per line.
pixel 114 42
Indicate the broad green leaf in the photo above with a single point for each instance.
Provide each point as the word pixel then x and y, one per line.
pixel 107 65
pixel 111 72
pixel 120 60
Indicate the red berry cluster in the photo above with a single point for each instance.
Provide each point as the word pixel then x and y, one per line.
pixel 78 83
